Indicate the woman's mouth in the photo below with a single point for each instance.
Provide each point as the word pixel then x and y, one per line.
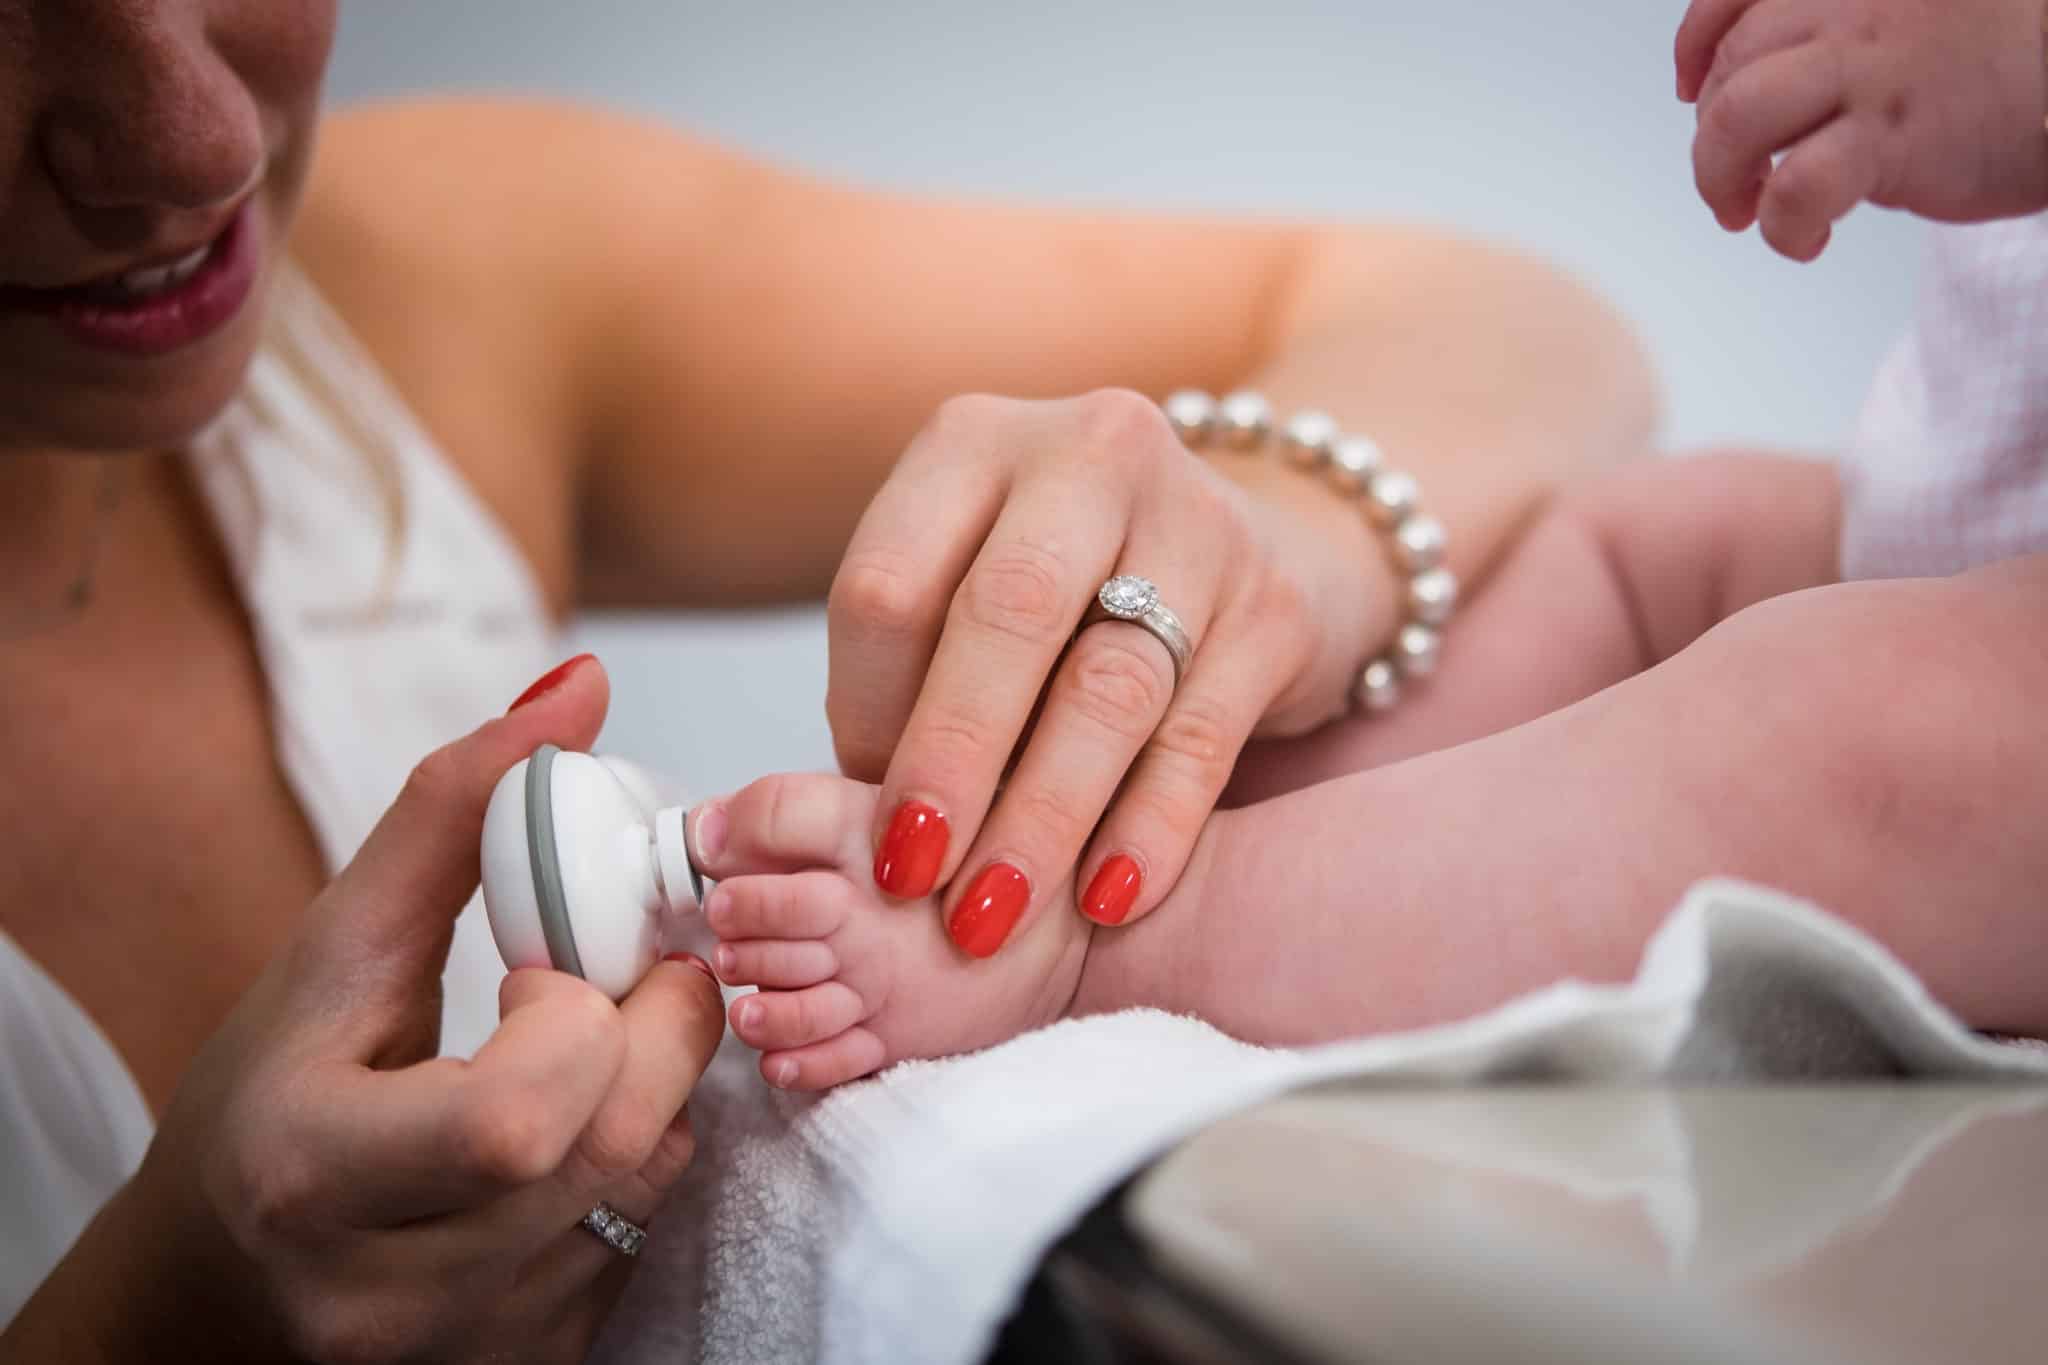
pixel 157 308
pixel 136 285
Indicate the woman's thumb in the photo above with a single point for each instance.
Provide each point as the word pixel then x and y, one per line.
pixel 397 900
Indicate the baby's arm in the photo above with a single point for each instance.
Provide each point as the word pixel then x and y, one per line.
pixel 1621 574
pixel 1933 106
pixel 1875 747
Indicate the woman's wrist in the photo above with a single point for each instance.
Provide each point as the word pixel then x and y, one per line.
pixel 149 1279
pixel 103 1302
pixel 1354 531
pixel 1354 601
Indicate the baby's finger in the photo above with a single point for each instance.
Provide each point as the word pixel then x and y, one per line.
pixel 1761 31
pixel 1818 181
pixel 1699 36
pixel 1763 109
pixel 772 1020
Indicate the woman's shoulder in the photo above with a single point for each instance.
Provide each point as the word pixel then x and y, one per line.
pixel 474 246
pixel 536 214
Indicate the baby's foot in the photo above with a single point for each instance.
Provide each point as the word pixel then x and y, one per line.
pixel 850 981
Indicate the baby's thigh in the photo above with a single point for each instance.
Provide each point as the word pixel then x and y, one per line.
pixel 1620 573
pixel 1691 540
pixel 1546 627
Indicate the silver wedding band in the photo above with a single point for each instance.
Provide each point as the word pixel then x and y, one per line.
pixel 615 1230
pixel 1130 598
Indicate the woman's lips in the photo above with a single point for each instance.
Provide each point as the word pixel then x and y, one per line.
pixel 160 308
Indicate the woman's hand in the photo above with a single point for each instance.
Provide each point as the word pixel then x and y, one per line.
pixel 955 669
pixel 322 1186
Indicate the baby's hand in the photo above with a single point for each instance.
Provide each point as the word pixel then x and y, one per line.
pixel 1933 106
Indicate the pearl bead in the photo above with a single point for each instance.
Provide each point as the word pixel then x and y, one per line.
pixel 1353 462
pixel 1377 689
pixel 1308 438
pixel 1431 596
pixel 1193 414
pixel 1419 542
pixel 1245 420
pixel 1390 497
pixel 1416 649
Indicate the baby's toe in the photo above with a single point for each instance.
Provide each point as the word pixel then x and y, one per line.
pixel 798 906
pixel 771 1021
pixel 845 1057
pixel 775 963
pixel 784 823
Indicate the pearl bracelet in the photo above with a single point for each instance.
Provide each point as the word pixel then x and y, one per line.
pixel 1243 422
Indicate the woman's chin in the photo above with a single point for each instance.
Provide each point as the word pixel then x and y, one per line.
pixel 156 406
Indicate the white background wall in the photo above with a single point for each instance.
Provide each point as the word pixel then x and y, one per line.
pixel 1553 126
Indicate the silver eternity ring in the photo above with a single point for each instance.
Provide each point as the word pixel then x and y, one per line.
pixel 615 1230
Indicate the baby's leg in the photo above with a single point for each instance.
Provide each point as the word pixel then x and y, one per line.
pixel 1857 745
pixel 1619 575
pixel 850 981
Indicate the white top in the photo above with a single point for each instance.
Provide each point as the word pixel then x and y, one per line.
pixel 1949 466
pixel 392 614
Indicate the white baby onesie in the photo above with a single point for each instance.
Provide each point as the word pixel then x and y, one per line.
pixel 1949 465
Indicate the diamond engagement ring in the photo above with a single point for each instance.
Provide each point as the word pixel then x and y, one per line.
pixel 1128 597
pixel 615 1230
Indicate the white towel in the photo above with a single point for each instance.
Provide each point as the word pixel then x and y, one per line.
pixel 899 1219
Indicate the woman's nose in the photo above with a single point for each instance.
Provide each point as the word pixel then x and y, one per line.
pixel 156 119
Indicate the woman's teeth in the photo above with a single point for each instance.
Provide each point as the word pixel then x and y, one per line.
pixel 156 279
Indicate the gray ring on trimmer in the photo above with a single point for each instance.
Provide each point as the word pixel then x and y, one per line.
pixel 547 867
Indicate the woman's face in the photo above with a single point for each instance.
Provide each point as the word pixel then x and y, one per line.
pixel 151 154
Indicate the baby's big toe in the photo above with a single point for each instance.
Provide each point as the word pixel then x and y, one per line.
pixel 782 824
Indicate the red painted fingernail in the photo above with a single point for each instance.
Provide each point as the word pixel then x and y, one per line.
pixel 1113 890
pixel 549 681
pixel 990 909
pixel 913 847
pixel 692 960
